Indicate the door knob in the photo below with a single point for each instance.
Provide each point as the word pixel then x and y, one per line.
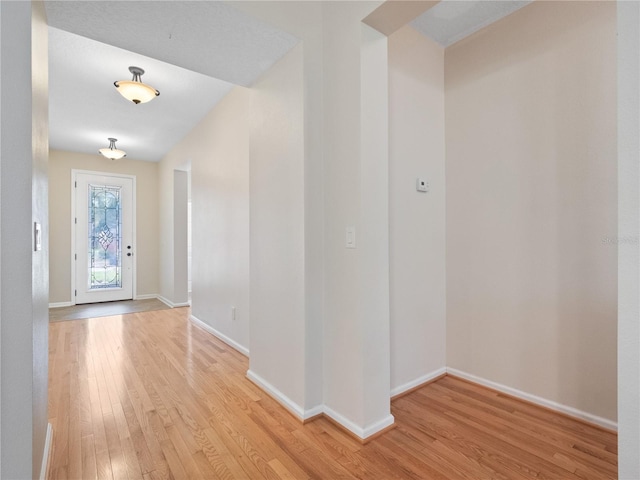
pixel 129 254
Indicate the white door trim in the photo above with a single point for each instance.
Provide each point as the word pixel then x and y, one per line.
pixel 74 173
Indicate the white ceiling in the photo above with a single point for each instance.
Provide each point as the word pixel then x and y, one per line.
pixel 208 37
pixel 451 20
pixel 185 49
pixel 189 50
pixel 85 107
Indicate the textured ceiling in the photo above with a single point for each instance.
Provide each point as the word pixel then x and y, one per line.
pixel 451 20
pixel 208 37
pixel 186 48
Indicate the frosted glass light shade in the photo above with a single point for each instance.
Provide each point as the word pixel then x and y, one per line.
pixel 114 154
pixel 111 152
pixel 136 92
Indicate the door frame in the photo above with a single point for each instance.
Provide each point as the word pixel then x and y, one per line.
pixel 74 173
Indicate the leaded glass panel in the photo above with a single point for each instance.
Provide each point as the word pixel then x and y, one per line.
pixel 105 237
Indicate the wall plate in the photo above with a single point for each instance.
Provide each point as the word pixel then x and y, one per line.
pixel 37 237
pixel 422 185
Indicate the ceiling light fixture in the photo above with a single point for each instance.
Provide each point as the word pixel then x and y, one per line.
pixel 111 152
pixel 134 90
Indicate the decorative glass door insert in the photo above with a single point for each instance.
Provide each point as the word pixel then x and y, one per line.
pixel 105 236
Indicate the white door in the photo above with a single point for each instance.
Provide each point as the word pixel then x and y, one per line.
pixel 104 234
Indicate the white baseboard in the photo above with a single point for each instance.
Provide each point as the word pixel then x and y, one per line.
pixel 378 426
pixel 147 296
pixel 313 412
pixel 543 402
pixel 171 304
pixel 302 414
pixel 362 433
pixel 418 381
pixel 47 451
pixel 281 398
pixel 60 304
pixel 208 328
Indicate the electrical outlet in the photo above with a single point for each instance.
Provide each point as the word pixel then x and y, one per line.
pixel 233 313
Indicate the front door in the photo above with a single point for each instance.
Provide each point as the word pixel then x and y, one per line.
pixel 103 231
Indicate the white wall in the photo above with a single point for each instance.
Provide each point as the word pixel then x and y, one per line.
pixel 416 220
pixel 24 275
pixel 165 227
pixel 218 152
pixel 346 291
pixel 343 286
pixel 531 201
pixel 40 214
pixel 372 240
pixel 343 362
pixel 356 288
pixel 277 230
pixel 147 234
pixel 1 244
pixel 304 20
pixel 180 238
pixel 629 236
pixel 173 236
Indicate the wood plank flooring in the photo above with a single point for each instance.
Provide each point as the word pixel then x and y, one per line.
pixel 149 396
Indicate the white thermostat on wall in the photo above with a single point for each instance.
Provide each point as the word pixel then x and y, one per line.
pixel 422 185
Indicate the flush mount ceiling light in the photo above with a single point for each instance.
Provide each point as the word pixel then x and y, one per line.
pixel 111 152
pixel 134 90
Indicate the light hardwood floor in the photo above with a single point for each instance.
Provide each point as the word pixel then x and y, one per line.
pixel 149 395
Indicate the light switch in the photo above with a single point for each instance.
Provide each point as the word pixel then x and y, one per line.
pixel 351 237
pixel 37 237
